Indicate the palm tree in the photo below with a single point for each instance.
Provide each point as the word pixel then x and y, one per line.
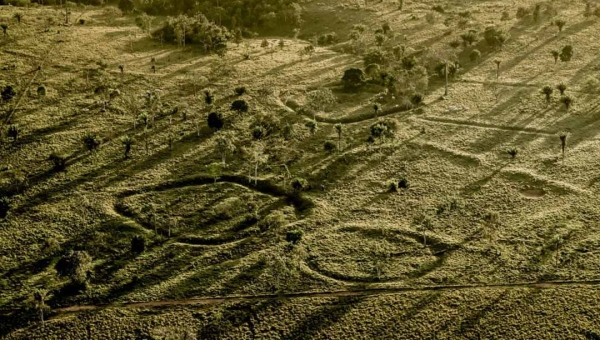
pixel 560 24
pixel 563 142
pixel 547 90
pixel 562 88
pixel 567 101
pixel 555 54
pixel 339 129
pixel 127 141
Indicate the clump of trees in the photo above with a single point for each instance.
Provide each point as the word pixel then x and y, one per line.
pixel 194 30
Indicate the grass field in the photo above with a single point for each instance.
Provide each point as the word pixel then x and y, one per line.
pixel 511 250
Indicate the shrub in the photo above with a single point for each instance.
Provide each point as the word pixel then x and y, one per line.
pixel 475 55
pixel 8 93
pixel 75 265
pixel 512 152
pixel 353 78
pixel 215 121
pixel 561 88
pixel 431 18
pixel 138 244
pixel 505 16
pixel 299 184
pixel 383 129
pixel 566 53
pixel 294 236
pixel 495 37
pixel 240 90
pixel 41 90
pixel 408 63
pixel 374 57
pixel 329 146
pixel 126 5
pixel 275 219
pixel 312 125
pixel 523 12
pixel 82 21
pixel 438 9
pixel 91 141
pixel 416 99
pixel 592 84
pixel 403 183
pixel 547 91
pixel 4 206
pixel 393 187
pixel 13 132
pixel 240 106
pixel 560 24
pixel 59 161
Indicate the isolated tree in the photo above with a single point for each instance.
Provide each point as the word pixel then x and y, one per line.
pixel 512 152
pixel 547 91
pixel 566 53
pixel 563 142
pixel 555 55
pixel 76 265
pixel 215 121
pixel 561 88
pixel 560 24
pixel 240 106
pixel 91 141
pixel 225 141
pixel 127 142
pixel 257 157
pixel 424 223
pixel 567 101
pixel 339 128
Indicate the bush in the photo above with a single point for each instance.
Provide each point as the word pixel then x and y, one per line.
pixel 416 99
pixel 240 90
pixel 138 244
pixel 393 187
pixel 299 184
pixel 240 106
pixel 374 57
pixel 41 90
pixel 91 141
pixel 75 265
pixel 4 206
pixel 59 161
pixel 403 183
pixel 408 63
pixel 82 21
pixel 275 219
pixel 438 9
pixel 353 78
pixel 494 37
pixel 523 12
pixel 294 236
pixel 383 129
pixel 475 55
pixel 329 146
pixel 215 121
pixel 13 132
pixel 505 16
pixel 8 93
pixel 431 18
pixel 592 84
pixel 199 31
pixel 126 5
pixel 566 53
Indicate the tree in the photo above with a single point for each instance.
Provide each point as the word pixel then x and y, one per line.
pixel 376 109
pixel 13 132
pixel 126 5
pixel 215 121
pixel 547 91
pixel 18 16
pixel 91 141
pixel 76 265
pixel 567 101
pixel 563 142
pixel 494 37
pixel 256 156
pixel 59 161
pixel 560 23
pixel 4 29
pixel 5 206
pixel 39 298
pixel 339 128
pixel 566 53
pixel 562 88
pixel 374 57
pixel 209 98
pixel 497 62
pixel 329 146
pixel 379 39
pixel 424 223
pixel 293 236
pixel 319 99
pixel 226 144
pixel 215 170
pixel 299 184
pixel 240 105
pixel 353 79
pixel 127 142
pixel 416 99
pixel 512 152
pixel 555 55
pixel 312 125
pixel 475 55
